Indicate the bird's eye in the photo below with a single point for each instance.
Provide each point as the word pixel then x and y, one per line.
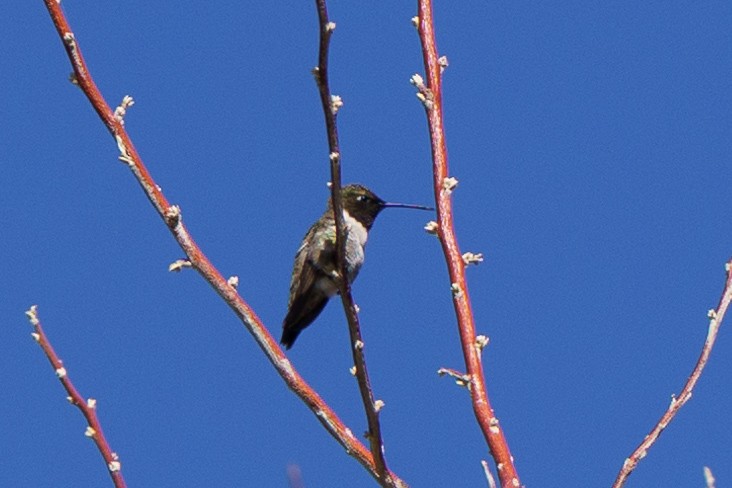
pixel 362 198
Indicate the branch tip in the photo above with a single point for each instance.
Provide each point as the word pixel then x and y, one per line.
pixel 32 314
pixel 709 477
pixel 488 476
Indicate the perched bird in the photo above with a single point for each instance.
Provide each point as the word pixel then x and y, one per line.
pixel 315 272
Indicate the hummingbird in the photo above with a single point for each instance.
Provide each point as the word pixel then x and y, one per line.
pixel 315 273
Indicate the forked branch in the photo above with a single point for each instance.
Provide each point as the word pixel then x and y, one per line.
pixel 172 217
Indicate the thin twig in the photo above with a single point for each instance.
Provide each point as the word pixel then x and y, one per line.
pixel 488 476
pixel 173 219
pixel 364 385
pixel 87 407
pixel 430 94
pixel 715 320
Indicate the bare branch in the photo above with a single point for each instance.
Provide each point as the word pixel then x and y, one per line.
pixel 172 217
pixel 715 320
pixel 87 407
pixel 430 94
pixel 331 104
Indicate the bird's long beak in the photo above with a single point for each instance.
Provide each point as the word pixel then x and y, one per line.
pixel 406 205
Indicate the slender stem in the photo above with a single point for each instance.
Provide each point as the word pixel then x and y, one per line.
pixel 198 260
pixel 384 477
pixel 715 321
pixel 431 96
pixel 87 407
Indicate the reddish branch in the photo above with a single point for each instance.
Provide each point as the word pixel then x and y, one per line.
pixel 172 217
pixel 87 407
pixel 431 96
pixel 715 320
pixel 330 108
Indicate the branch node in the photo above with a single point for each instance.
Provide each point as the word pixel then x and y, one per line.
pixel 378 405
pixel 432 227
pixel 121 110
pixel 124 154
pixel 457 291
pixel 36 337
pixel 73 79
pixel 173 215
pixel 494 426
pixel 90 432
pixel 448 185
pixel 336 102
pixel 415 21
pixel 442 61
pixel 470 258
pixel 334 157
pixel 481 342
pixel 233 282
pixel 178 265
pixel 69 39
pixel 712 314
pixel 330 27
pixel 114 466
pixel 91 403
pixel 353 370
pixel 61 372
pixel 358 345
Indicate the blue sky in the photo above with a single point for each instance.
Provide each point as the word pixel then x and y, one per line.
pixel 592 145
